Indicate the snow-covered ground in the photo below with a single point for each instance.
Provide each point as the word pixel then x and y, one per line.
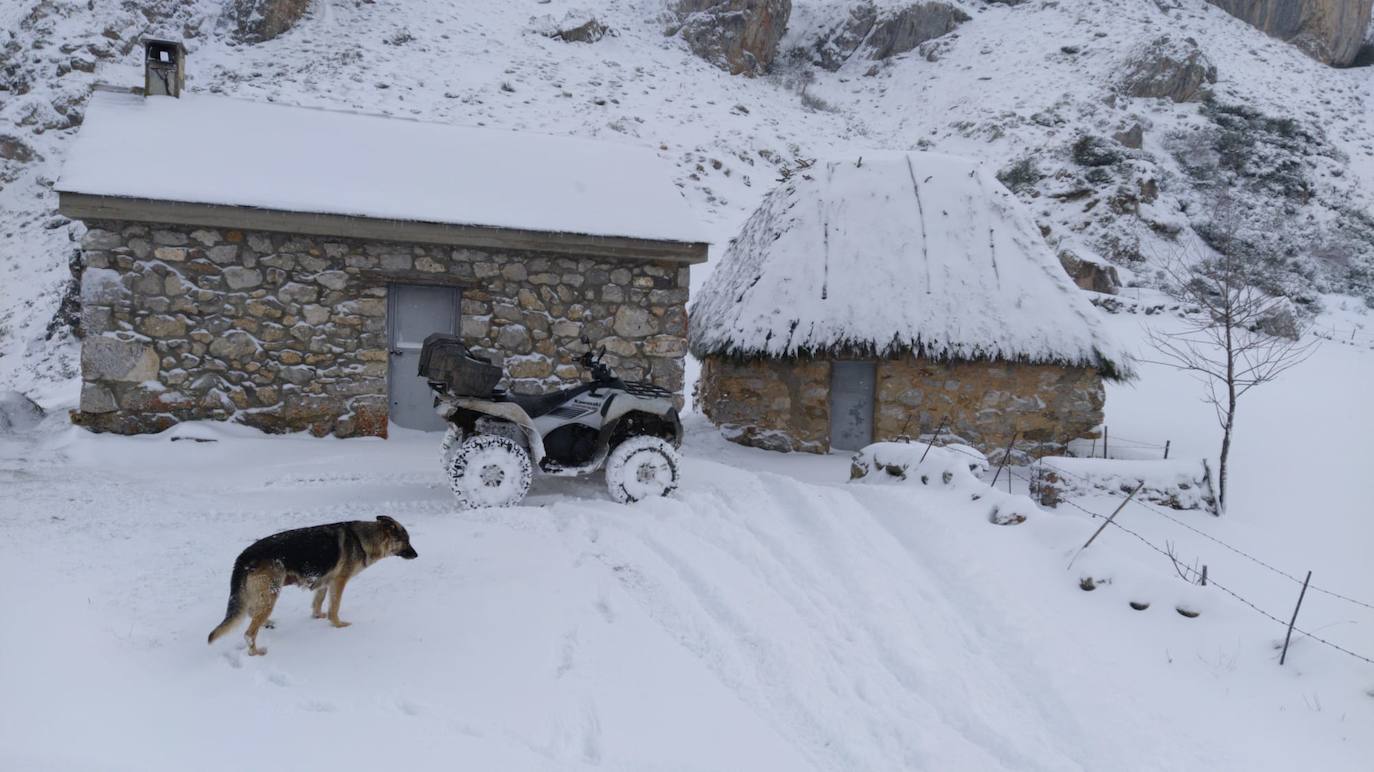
pixel 768 616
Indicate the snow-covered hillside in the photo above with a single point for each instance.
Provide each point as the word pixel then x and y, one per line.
pixel 1019 85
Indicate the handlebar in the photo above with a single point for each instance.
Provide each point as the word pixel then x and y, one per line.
pixel 600 372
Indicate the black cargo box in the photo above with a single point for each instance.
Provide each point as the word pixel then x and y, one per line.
pixel 446 361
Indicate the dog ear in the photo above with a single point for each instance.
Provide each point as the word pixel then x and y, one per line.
pixel 384 520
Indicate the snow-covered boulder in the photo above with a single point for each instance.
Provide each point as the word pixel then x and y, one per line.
pixel 1090 274
pixel 1168 68
pixel 740 36
pixel 574 27
pixel 954 467
pixel 1173 483
pixel 948 468
pixel 18 413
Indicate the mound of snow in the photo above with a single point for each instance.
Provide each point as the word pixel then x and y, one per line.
pixel 953 467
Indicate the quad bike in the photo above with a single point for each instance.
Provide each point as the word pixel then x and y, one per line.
pixel 496 439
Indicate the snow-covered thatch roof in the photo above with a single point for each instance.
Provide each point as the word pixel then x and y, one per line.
pixel 206 149
pixel 897 252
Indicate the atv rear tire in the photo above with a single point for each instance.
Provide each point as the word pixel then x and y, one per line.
pixel 453 438
pixel 642 467
pixel 489 471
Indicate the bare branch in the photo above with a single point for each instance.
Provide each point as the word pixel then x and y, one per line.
pixel 1224 339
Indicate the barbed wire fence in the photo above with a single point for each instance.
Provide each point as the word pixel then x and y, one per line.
pixel 1186 571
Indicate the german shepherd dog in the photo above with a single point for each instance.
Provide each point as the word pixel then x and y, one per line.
pixel 321 558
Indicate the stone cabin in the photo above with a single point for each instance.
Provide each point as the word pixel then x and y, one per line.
pixel 887 295
pixel 279 266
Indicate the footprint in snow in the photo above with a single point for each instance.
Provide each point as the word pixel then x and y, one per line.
pixel 569 655
pixel 318 706
pixel 409 708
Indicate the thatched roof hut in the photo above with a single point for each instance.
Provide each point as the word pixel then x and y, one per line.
pixel 929 285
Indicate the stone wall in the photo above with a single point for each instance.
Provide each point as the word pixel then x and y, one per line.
pixel 289 333
pixel 776 404
pixel 985 402
pixel 785 404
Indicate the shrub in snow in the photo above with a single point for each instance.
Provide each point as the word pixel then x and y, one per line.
pixel 1092 150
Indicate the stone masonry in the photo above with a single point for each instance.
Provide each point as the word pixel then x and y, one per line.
pixel 289 333
pixel 784 404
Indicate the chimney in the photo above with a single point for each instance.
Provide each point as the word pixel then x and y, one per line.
pixel 164 67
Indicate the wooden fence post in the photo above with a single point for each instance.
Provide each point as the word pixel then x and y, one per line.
pixel 1294 620
pixel 1108 522
pixel 1005 459
pixel 933 437
pixel 1166 449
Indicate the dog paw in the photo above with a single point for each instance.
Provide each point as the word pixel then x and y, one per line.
pixel 339 623
pixel 256 652
pixel 270 624
pixel 319 615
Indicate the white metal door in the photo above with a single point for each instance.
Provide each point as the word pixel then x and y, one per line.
pixel 413 313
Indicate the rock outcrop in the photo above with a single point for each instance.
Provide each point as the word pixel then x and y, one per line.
pixel 1168 68
pixel 1330 31
pixel 880 34
pixel 1089 274
pixel 258 20
pixel 588 31
pixel 739 36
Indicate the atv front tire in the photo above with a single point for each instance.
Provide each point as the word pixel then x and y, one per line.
pixel 489 471
pixel 642 467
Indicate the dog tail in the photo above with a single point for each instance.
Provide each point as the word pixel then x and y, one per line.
pixel 235 610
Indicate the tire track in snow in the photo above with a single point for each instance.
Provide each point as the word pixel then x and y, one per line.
pixel 818 618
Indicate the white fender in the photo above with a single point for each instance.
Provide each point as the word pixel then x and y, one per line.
pixel 508 411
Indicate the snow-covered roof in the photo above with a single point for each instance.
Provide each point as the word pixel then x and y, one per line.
pixel 897 252
pixel 217 150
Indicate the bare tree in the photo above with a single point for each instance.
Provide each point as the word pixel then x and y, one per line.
pixel 1228 344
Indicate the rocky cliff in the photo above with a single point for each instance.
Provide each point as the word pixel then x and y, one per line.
pixel 1330 31
pixel 739 36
